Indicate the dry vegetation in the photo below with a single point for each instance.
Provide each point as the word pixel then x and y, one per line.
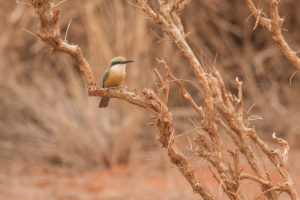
pixel 44 104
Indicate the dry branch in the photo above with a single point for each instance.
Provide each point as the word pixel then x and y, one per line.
pixel 49 32
pixel 149 100
pixel 184 93
pixel 222 109
pixel 230 108
pixel 274 25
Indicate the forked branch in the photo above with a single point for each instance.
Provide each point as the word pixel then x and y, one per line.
pixel 274 25
pixel 222 110
pixel 230 107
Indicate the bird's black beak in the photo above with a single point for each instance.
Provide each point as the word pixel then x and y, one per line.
pixel 127 61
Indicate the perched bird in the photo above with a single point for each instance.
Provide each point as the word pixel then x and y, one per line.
pixel 114 76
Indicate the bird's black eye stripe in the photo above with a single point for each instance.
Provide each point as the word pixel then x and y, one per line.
pixel 116 63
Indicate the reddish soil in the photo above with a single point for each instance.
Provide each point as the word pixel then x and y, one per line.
pixel 142 181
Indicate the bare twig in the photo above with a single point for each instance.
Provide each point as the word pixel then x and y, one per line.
pixel 274 25
pixel 184 94
pixel 52 38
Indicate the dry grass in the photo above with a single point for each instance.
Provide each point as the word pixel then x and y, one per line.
pixel 44 109
pixel 222 111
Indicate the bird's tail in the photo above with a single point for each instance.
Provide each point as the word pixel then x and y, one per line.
pixel 104 102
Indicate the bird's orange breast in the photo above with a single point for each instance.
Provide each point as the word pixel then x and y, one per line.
pixel 114 78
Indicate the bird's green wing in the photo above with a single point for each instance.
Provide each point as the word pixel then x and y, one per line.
pixel 105 76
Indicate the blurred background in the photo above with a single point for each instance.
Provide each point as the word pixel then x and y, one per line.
pixel 46 117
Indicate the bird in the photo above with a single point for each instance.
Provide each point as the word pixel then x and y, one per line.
pixel 114 76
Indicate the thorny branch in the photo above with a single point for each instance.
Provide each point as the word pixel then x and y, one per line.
pixel 49 32
pixel 274 25
pixel 229 106
pixel 184 93
pixel 222 109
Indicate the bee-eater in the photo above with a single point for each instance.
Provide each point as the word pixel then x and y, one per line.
pixel 114 76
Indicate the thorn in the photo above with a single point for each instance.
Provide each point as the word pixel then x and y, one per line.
pixel 251 108
pixel 191 145
pixel 160 39
pixel 256 22
pixel 249 17
pixel 31 33
pixel 135 5
pixel 215 60
pixel 58 4
pixel 23 3
pixel 292 77
pixel 187 35
pixel 66 35
pixel 150 123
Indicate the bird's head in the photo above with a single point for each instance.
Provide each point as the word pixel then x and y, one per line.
pixel 119 60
